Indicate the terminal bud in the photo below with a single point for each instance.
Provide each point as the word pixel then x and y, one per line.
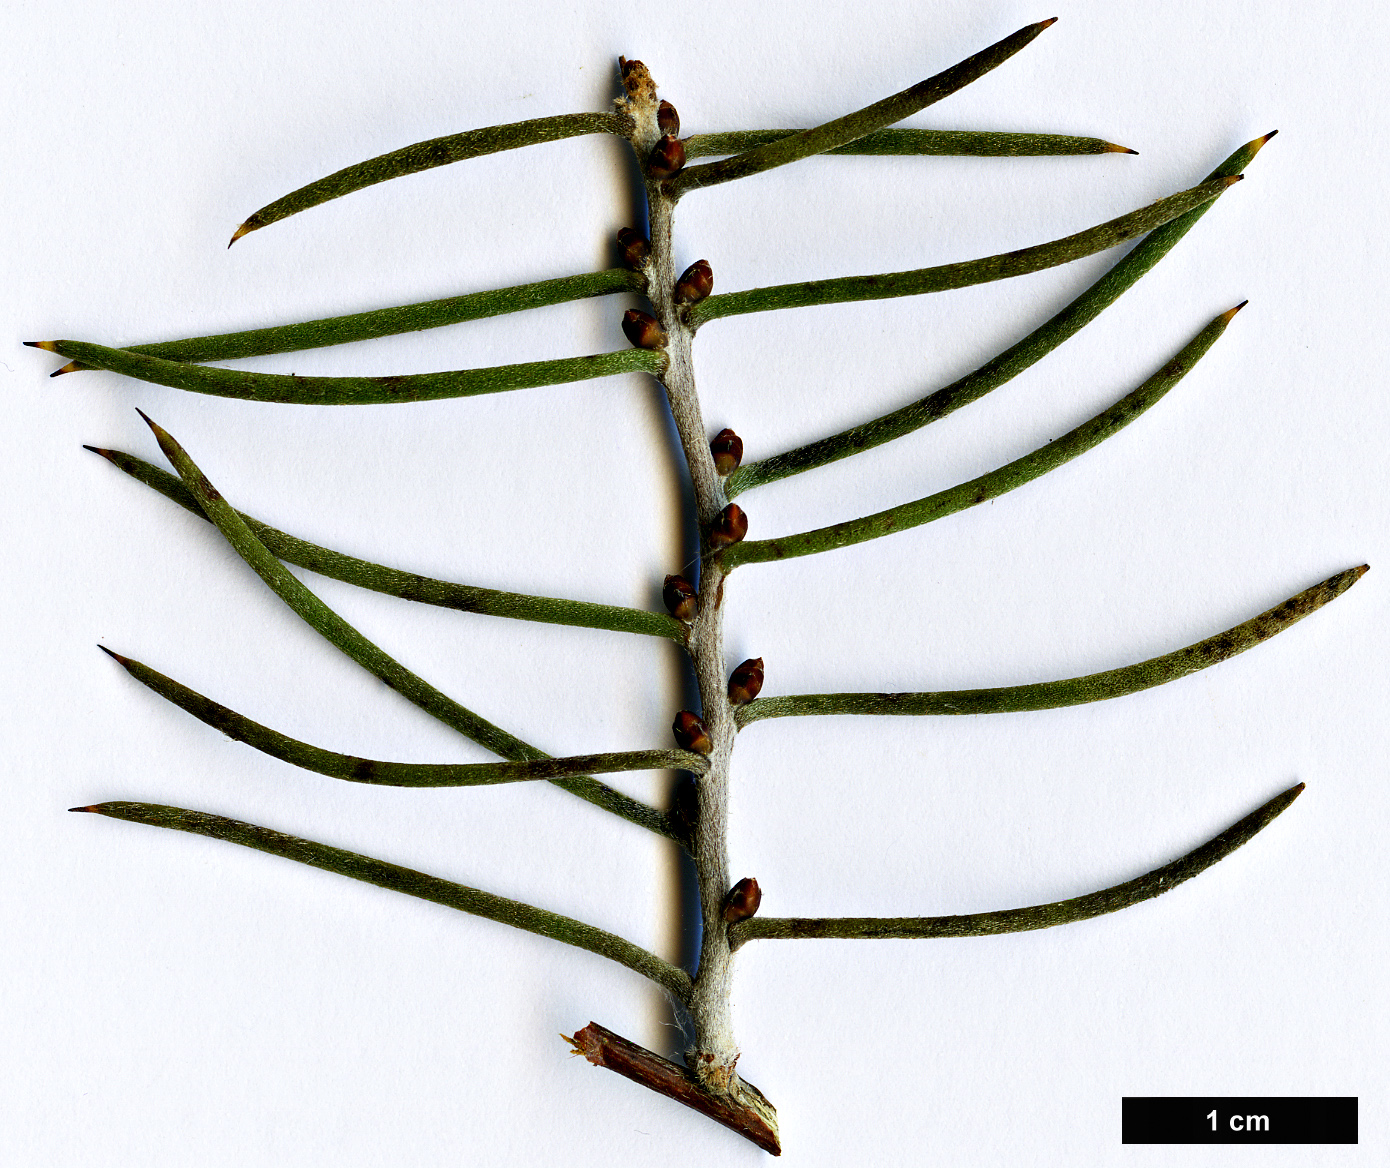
pixel 667 120
pixel 730 527
pixel 667 157
pixel 727 449
pixel 634 246
pixel 643 331
pixel 743 900
pixel 746 681
pixel 691 733
pixel 678 594
pixel 696 282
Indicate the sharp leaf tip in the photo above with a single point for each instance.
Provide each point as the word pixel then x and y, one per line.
pixel 93 807
pixel 1230 312
pixel 48 346
pixel 244 229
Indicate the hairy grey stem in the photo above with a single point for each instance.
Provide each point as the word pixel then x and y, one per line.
pixel 715 1052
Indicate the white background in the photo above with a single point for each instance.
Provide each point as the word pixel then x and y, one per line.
pixel 171 1000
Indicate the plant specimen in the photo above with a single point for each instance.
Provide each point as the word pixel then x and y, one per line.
pixel 682 300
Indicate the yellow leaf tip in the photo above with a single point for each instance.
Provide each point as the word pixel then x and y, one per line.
pixel 70 367
pixel 1361 570
pixel 94 807
pixel 1116 148
pixel 245 229
pixel 1230 312
pixel 48 346
pixel 1048 23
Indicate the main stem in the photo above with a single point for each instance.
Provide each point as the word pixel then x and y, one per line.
pixel 715 1052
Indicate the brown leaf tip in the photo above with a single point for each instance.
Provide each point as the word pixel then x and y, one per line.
pixel 1048 23
pixel 245 229
pixel 1116 148
pixel 94 807
pixel 1230 180
pixel 1226 316
pixel 48 346
pixel 124 662
pixel 1361 570
pixel 1259 143
pixel 70 367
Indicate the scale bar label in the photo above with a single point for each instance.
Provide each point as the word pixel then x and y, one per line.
pixel 1239 1120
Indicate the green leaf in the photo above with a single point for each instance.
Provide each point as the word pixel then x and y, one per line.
pixel 1074 691
pixel 997 482
pixel 1018 920
pixel 958 143
pixel 399 774
pixel 386 322
pixel 409 585
pixel 960 275
pixel 343 636
pixel 357 391
pixel 856 125
pixel 1008 364
pixel 412 883
pixel 425 155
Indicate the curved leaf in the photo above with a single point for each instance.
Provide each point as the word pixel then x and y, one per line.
pixel 384 875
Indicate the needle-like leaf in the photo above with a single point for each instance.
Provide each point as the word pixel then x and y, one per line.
pixel 343 636
pixel 856 125
pixel 385 322
pixel 1074 691
pixel 1018 920
pixel 972 143
pixel 412 883
pixel 997 482
pixel 399 774
pixel 424 155
pixel 946 277
pixel 409 585
pixel 1008 364
pixel 356 391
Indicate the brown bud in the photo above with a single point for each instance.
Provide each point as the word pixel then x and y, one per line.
pixel 667 120
pixel 730 527
pixel 634 246
pixel 642 330
pixel 687 807
pixel 696 282
pixel 666 158
pixel 727 449
pixel 746 681
pixel 743 900
pixel 691 733
pixel 678 594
